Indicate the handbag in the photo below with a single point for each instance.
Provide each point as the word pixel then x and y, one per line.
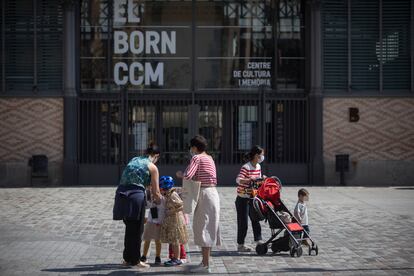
pixel 190 194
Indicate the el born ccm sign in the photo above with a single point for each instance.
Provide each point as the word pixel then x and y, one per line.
pixel 139 42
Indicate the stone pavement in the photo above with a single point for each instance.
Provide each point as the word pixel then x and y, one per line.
pixel 69 231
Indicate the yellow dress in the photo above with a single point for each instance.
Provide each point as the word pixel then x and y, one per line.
pixel 173 228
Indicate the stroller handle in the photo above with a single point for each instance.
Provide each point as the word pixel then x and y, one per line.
pixel 255 183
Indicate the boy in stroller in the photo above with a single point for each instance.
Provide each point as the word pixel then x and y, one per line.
pixel 268 206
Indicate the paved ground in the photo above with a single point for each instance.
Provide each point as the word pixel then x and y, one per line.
pixel 69 231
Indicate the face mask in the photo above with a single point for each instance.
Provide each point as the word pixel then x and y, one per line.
pixel 261 158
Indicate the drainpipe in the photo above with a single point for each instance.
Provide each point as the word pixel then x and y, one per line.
pixel 70 165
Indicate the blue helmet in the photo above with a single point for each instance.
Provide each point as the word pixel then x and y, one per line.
pixel 166 182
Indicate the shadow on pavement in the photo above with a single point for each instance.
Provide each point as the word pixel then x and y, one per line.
pixel 235 253
pixel 86 268
pixel 126 271
pixel 117 269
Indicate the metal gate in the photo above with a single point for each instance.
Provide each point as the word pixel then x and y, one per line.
pixel 115 127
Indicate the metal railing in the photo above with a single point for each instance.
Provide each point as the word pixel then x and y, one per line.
pixel 113 129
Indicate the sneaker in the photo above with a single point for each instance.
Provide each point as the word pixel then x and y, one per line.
pixel 173 262
pixel 258 242
pixel 184 261
pixel 200 269
pixel 125 263
pixel 142 265
pixel 143 259
pixel 243 248
pixel 157 260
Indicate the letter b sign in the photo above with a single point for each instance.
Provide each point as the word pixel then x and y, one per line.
pixel 353 114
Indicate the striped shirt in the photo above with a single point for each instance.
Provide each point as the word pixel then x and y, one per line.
pixel 247 171
pixel 203 169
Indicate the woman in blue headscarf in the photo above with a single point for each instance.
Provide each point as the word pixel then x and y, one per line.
pixel 140 173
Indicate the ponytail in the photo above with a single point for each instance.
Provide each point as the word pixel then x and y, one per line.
pixel 253 151
pixel 152 149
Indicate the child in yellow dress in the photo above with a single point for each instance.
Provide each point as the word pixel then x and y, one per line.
pixel 173 228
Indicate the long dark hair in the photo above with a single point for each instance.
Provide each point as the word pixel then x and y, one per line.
pixel 253 151
pixel 152 149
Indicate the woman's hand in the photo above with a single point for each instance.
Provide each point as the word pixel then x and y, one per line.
pixel 179 174
pixel 246 180
pixel 157 199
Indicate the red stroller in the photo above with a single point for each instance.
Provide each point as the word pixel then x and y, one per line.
pixel 268 206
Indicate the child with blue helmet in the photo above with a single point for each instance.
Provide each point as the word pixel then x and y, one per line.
pixel 173 229
pixel 166 182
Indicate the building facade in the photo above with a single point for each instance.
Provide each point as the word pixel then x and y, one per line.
pixel 90 83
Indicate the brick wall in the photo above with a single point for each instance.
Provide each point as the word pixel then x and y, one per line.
pixel 382 138
pixel 29 126
pixel 385 130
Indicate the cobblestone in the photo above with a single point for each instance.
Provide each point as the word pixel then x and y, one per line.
pixel 70 231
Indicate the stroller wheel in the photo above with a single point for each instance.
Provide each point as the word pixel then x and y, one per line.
pixel 292 251
pixel 299 251
pixel 275 248
pixel 261 248
pixel 313 248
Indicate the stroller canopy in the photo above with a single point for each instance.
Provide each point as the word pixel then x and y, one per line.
pixel 270 191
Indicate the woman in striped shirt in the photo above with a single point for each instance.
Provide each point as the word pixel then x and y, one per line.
pixel 249 171
pixel 207 212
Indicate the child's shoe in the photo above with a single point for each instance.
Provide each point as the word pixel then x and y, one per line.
pixel 143 259
pixel 243 248
pixel 173 262
pixel 157 261
pixel 142 265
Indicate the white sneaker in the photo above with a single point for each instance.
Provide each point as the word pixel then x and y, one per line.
pixel 243 248
pixel 184 261
pixel 200 269
pixel 142 265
